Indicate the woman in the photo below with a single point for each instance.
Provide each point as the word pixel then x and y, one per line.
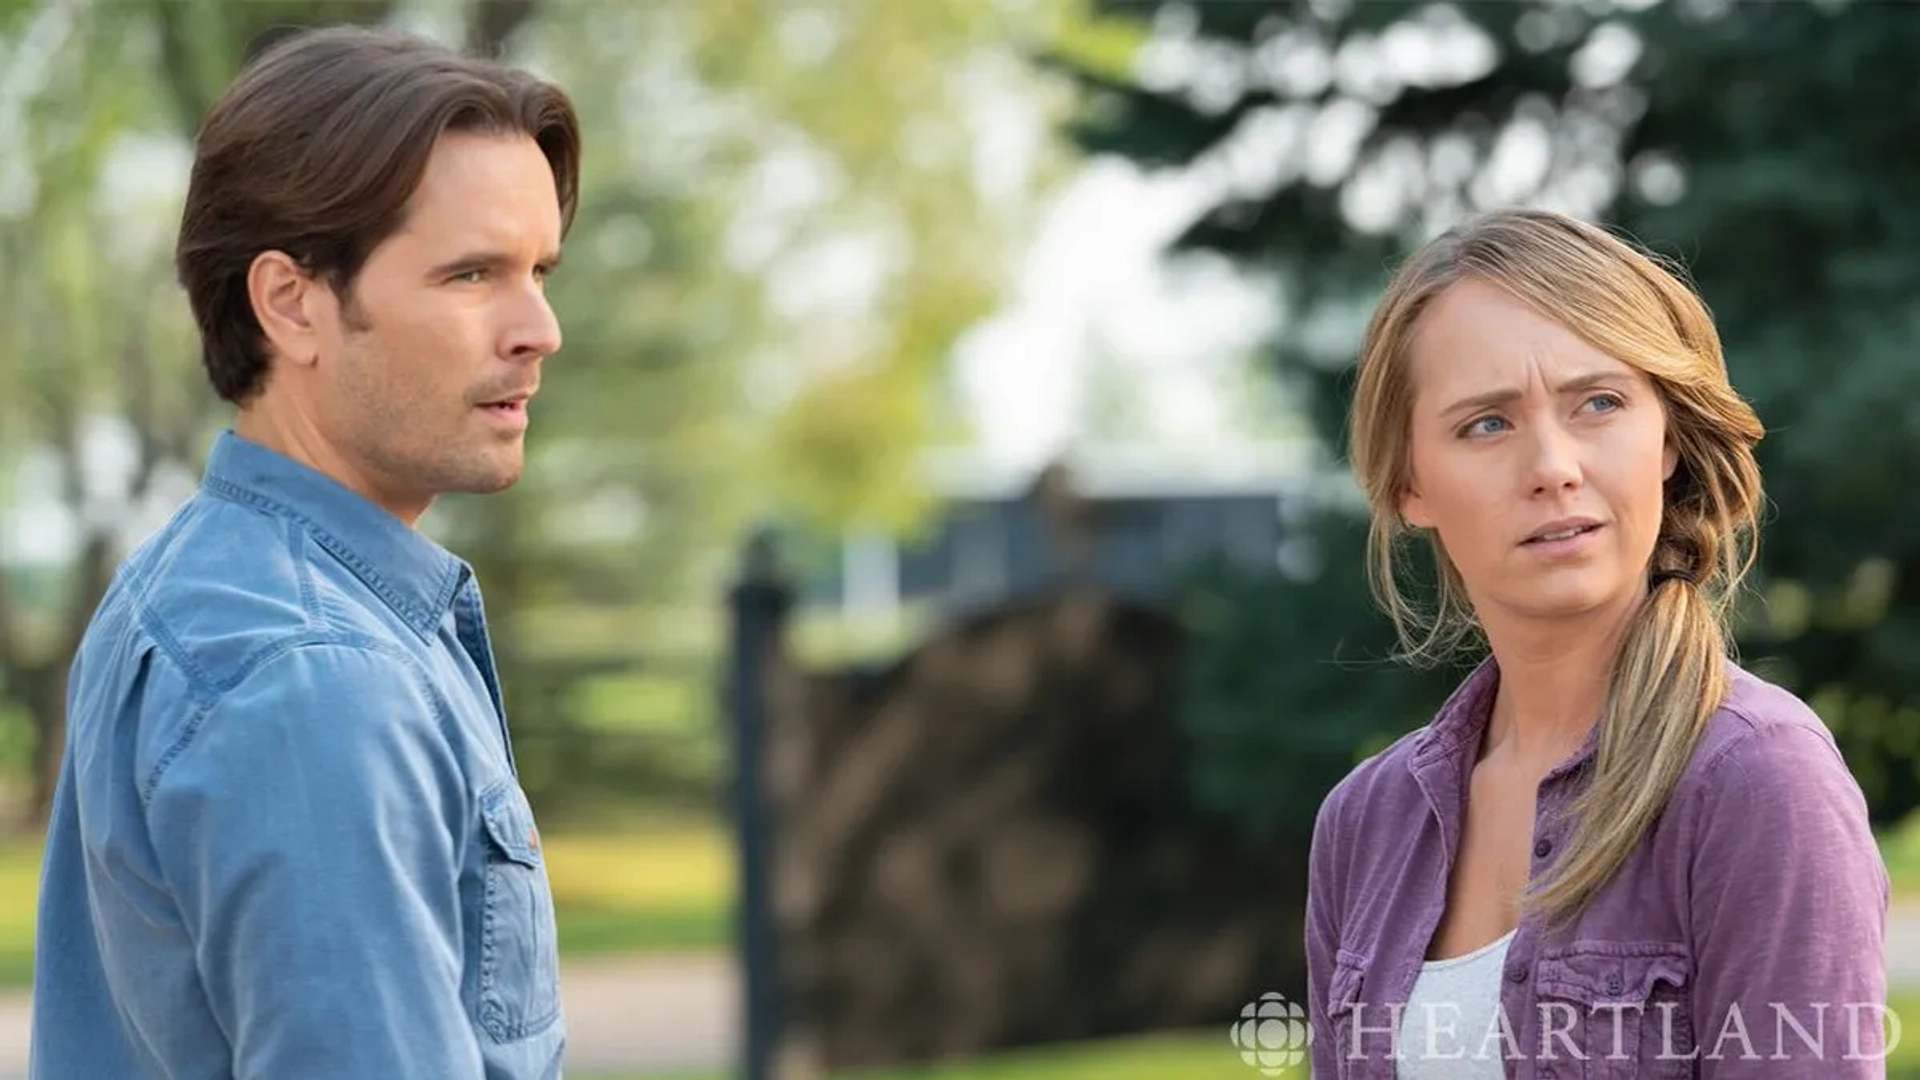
pixel 1613 852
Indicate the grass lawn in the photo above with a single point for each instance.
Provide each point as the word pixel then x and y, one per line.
pixel 19 896
pixel 1900 847
pixel 663 886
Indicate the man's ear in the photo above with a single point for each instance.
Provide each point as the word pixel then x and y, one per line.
pixel 285 299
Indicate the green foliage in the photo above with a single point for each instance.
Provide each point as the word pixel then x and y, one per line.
pixel 715 373
pixel 90 346
pixel 1289 681
pixel 1107 45
pixel 1765 146
pixel 738 154
pixel 202 43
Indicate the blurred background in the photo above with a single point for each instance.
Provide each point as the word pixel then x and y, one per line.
pixel 945 451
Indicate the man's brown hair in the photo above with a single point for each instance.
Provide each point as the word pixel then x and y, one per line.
pixel 315 151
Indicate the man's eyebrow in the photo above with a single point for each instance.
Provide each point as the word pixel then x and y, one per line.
pixel 486 260
pixel 1501 397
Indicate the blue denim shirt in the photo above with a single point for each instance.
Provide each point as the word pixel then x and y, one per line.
pixel 288 838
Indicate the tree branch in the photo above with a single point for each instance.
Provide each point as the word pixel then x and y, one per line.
pixel 493 22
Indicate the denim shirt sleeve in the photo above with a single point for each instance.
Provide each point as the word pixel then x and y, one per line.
pixel 310 828
pixel 1788 907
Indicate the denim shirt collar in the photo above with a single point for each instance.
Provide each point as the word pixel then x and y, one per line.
pixel 415 576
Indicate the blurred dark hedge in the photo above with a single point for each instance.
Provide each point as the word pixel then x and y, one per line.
pixel 1767 148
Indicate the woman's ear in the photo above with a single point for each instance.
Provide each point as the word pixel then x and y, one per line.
pixel 1413 510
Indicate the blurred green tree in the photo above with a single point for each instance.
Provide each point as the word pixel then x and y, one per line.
pixel 101 410
pixel 1764 146
pixel 785 224
pixel 786 227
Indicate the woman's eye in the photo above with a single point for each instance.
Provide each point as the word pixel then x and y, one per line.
pixel 1605 402
pixel 1486 425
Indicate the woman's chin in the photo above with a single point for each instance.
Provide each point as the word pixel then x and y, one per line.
pixel 1570 596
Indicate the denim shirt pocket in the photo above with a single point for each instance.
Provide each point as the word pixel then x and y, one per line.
pixel 1613 1011
pixel 1344 993
pixel 519 956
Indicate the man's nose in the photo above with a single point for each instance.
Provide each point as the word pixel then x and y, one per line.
pixel 535 329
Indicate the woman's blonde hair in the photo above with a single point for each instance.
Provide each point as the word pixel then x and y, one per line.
pixel 1670 674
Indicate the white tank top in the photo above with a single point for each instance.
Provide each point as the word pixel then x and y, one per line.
pixel 1455 1003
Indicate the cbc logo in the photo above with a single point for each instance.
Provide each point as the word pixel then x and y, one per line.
pixel 1272 1034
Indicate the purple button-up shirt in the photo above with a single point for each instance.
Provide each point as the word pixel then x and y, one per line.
pixel 1743 938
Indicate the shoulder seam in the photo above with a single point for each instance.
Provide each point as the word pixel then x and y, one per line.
pixel 204 704
pixel 1754 731
pixel 1756 728
pixel 319 626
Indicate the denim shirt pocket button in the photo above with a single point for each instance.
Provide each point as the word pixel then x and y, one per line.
pixel 519 956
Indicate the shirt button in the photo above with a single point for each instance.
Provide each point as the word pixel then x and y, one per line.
pixel 1613 984
pixel 1540 848
pixel 1517 973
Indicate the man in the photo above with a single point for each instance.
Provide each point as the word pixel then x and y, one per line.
pixel 288 840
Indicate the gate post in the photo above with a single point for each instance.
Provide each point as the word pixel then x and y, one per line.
pixel 758 603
